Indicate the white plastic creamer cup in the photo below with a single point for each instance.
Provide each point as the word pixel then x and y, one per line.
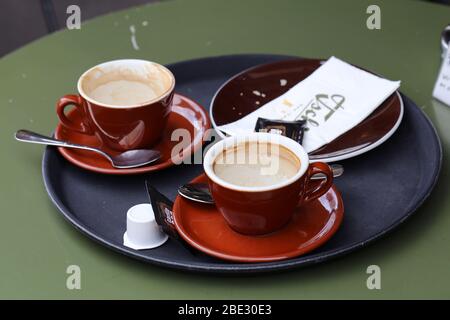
pixel 142 230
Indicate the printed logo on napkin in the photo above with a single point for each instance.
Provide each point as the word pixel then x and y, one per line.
pixel 333 99
pixel 442 87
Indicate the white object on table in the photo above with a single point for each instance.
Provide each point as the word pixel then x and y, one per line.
pixel 442 87
pixel 142 230
pixel 333 99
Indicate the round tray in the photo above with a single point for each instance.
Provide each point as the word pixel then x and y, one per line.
pixel 380 188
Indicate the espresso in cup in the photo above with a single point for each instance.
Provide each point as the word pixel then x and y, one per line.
pixel 257 180
pixel 256 164
pixel 124 103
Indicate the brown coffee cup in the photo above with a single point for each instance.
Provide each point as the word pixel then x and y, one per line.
pixel 122 119
pixel 257 210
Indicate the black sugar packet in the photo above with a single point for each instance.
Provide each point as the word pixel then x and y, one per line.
pixel 162 207
pixel 291 129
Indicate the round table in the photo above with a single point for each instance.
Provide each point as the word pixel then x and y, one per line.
pixel 38 246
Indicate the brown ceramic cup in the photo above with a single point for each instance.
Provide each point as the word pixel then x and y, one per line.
pixel 254 210
pixel 121 125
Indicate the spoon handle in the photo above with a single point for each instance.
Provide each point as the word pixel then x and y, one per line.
pixel 337 169
pixel 33 137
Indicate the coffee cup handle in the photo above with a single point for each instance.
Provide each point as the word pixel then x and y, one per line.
pixel 312 190
pixel 78 102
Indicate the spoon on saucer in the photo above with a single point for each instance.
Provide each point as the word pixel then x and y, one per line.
pixel 199 192
pixel 124 160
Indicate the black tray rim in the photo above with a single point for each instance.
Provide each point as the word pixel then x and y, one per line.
pixel 243 268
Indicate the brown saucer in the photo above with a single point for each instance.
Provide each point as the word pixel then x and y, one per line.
pixel 236 98
pixel 203 227
pixel 185 113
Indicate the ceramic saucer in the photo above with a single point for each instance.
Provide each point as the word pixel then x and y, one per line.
pixel 185 113
pixel 252 88
pixel 203 227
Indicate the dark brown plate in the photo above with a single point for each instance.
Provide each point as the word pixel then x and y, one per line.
pixel 235 99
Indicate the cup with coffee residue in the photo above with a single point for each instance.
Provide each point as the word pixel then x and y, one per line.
pixel 258 180
pixel 125 103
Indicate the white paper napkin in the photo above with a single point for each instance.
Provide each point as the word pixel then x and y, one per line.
pixel 333 99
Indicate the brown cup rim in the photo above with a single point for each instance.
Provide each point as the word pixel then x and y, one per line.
pixel 143 104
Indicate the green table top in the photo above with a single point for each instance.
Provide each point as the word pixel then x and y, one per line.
pixel 37 244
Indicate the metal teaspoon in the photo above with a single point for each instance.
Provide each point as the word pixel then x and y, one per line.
pixel 127 159
pixel 199 192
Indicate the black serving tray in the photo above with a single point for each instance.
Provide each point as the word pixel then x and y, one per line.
pixel 380 188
